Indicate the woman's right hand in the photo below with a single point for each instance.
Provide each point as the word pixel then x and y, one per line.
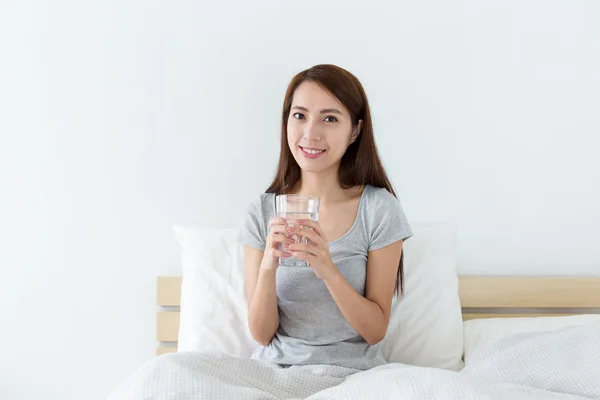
pixel 276 236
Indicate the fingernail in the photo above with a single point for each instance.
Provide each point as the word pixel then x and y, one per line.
pixel 290 229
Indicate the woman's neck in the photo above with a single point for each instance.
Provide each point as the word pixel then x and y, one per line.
pixel 325 185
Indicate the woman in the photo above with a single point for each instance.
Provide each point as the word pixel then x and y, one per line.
pixel 337 310
pixel 325 320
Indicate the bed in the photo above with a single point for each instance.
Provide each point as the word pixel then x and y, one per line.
pixel 449 336
pixel 481 297
pixel 536 361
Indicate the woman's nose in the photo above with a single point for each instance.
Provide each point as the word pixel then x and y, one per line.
pixel 311 132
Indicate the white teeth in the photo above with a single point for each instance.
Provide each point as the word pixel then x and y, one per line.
pixel 309 151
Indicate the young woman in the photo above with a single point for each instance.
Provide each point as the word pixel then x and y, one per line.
pixel 326 318
pixel 336 310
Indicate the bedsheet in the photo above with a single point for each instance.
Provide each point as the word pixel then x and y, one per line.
pixel 563 364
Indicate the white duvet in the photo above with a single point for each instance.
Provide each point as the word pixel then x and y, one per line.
pixel 563 364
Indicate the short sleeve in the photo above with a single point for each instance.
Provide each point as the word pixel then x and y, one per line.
pixel 389 222
pixel 253 230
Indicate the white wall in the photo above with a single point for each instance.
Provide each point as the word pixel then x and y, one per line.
pixel 119 119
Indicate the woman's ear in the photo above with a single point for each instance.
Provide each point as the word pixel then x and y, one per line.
pixel 356 132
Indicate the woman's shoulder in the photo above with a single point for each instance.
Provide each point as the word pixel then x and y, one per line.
pixel 380 204
pixel 378 197
pixel 254 228
pixel 262 205
pixel 386 221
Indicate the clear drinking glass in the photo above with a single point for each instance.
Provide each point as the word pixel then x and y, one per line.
pixel 293 207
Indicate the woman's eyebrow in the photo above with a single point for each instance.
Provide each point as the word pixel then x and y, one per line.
pixel 323 111
pixel 331 111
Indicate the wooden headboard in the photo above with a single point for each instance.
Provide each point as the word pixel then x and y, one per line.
pixel 481 297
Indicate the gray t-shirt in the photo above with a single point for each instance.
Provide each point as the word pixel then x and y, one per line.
pixel 312 329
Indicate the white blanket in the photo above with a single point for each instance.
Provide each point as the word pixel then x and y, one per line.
pixel 556 365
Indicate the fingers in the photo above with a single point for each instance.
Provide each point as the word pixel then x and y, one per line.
pixel 277 221
pixel 314 225
pixel 303 255
pixel 302 248
pixel 277 225
pixel 276 238
pixel 281 254
pixel 278 229
pixel 307 233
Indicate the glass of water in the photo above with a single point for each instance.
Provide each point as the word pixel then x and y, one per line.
pixel 293 207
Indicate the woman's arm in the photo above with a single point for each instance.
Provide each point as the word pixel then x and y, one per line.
pixel 369 315
pixel 261 268
pixel 263 317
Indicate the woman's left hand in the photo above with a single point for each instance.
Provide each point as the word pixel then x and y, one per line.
pixel 316 252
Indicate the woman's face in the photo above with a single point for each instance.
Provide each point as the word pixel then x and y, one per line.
pixel 319 128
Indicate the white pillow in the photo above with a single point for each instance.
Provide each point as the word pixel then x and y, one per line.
pixel 481 334
pixel 426 326
pixel 214 307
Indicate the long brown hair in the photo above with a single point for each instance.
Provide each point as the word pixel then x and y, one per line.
pixel 360 165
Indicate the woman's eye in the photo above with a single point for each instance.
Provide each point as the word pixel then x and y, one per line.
pixel 330 119
pixel 298 115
